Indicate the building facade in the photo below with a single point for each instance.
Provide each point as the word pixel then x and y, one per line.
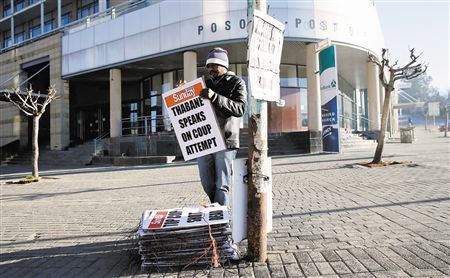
pixel 112 60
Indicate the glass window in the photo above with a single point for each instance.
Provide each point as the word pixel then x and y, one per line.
pixel 7 42
pixel 180 76
pixel 65 19
pixel 86 2
pixel 288 76
pixel 167 85
pixel 301 77
pixel 287 118
pixel 6 10
pixel 156 104
pixel 18 38
pixel 48 26
pixel 292 115
pixel 19 5
pixel 131 123
pixel 87 10
pixel 35 31
pixel 304 107
pixel 32 2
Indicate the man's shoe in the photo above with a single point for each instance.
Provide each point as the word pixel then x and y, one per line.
pixel 231 251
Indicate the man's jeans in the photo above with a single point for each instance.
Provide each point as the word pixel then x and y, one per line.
pixel 215 174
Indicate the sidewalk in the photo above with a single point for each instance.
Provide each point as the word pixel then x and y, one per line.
pixel 330 218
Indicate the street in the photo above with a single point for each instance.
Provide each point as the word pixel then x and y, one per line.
pixel 331 217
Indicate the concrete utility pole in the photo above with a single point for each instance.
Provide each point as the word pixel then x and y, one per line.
pixel 257 159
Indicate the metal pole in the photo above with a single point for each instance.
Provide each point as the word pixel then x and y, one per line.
pixel 446 121
pixel 426 121
pixel 257 159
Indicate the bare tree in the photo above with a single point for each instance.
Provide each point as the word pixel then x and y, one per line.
pixel 33 105
pixel 389 73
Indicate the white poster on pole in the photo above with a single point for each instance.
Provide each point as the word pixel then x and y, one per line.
pixel 264 56
pixel 239 198
pixel 433 109
pixel 193 120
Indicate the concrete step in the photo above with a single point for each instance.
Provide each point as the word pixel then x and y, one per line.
pixel 75 156
pixel 131 161
pixel 352 140
pixel 278 144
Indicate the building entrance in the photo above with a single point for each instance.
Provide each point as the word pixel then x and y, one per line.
pixel 38 75
pixel 91 122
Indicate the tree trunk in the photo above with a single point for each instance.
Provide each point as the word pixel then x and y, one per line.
pixel 35 147
pixel 384 117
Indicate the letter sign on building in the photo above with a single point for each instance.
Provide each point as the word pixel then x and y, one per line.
pixel 193 120
pixel 264 56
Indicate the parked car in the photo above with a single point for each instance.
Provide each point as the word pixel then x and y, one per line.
pixel 442 127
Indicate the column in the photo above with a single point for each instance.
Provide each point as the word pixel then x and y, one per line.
pixel 115 102
pixel 102 5
pixel 394 112
pixel 42 18
pixel 190 65
pixel 373 97
pixel 23 123
pixel 386 73
pixel 59 13
pixel 166 86
pixel 13 41
pixel 59 108
pixel 292 76
pixel 314 100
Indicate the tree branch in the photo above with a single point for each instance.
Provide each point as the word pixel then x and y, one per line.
pixel 8 96
pixel 24 106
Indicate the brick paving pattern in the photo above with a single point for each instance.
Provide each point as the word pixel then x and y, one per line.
pixel 330 217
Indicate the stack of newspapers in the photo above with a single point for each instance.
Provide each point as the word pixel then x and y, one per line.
pixel 184 236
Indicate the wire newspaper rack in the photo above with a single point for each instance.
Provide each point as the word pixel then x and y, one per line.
pixel 183 237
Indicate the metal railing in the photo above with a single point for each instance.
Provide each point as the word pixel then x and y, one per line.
pixel 106 15
pixel 83 23
pixel 145 125
pixel 98 142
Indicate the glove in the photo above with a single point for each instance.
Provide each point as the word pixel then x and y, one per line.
pixel 207 93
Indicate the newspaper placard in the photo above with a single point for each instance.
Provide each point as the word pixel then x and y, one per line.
pixel 264 56
pixel 193 120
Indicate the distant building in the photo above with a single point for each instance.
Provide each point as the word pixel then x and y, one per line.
pixel 111 60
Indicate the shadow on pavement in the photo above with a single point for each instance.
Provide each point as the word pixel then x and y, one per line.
pixel 105 259
pixel 31 197
pixel 99 259
pixel 13 172
pixel 362 207
pixel 125 234
pixel 333 160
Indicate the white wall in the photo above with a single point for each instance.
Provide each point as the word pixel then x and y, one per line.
pixel 171 25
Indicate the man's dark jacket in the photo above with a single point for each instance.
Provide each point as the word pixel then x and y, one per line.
pixel 229 102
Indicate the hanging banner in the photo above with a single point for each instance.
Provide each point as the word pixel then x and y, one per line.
pixel 329 96
pixel 264 55
pixel 193 120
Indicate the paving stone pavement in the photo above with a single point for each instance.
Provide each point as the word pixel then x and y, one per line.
pixel 331 218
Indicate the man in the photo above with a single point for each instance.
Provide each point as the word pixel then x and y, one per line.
pixel 228 96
